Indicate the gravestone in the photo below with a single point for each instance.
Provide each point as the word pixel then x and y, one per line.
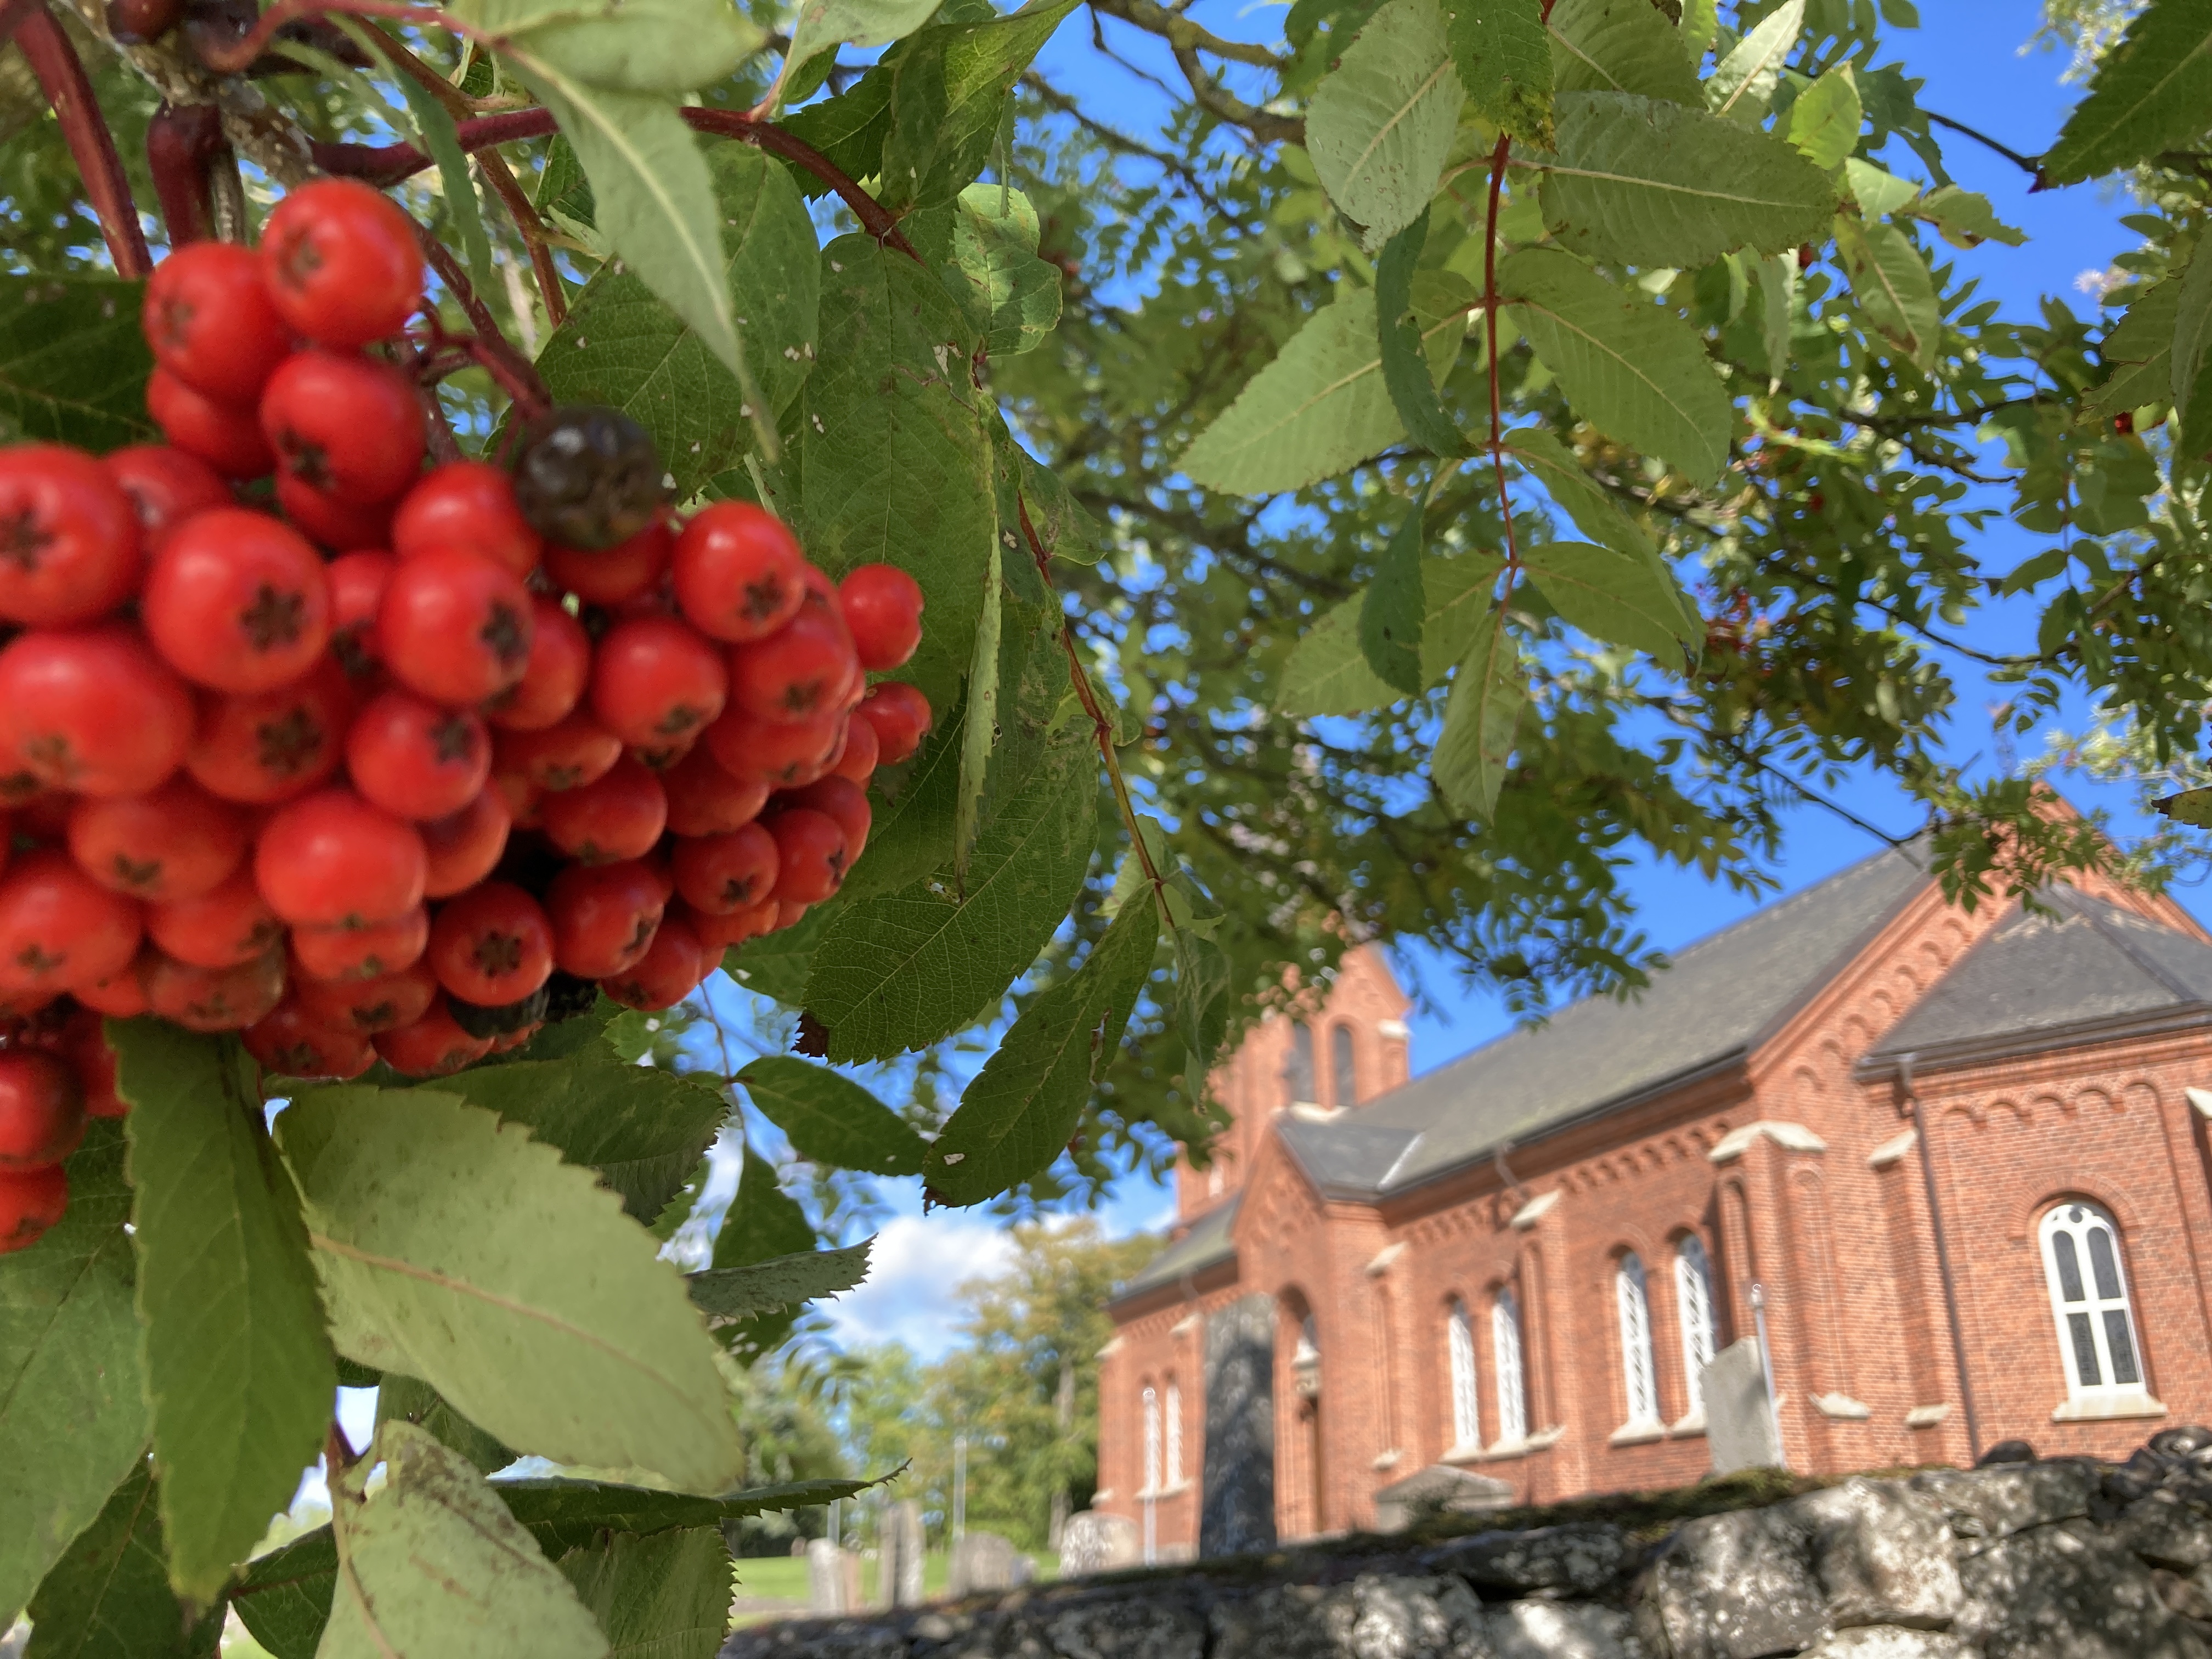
pixel 1237 1507
pixel 1740 1426
pixel 826 1586
pixel 981 1561
pixel 1439 1489
pixel 1094 1541
pixel 898 1568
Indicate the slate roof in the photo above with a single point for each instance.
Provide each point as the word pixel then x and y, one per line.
pixel 1206 1242
pixel 2038 978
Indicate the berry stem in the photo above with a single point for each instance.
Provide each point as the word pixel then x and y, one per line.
pixel 61 76
pixel 514 372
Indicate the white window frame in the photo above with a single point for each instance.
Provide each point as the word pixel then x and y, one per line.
pixel 1343 1066
pixel 1175 1433
pixel 1639 1374
pixel 1505 1358
pixel 1465 1406
pixel 1152 1431
pixel 1693 1302
pixel 2100 1316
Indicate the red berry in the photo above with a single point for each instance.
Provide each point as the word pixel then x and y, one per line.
pixel 342 263
pixel 220 929
pixel 811 855
pixel 175 843
pixel 68 537
pixel 553 683
pixel 365 953
pixel 604 916
pixel 369 1006
pixel 416 759
pixel 771 751
pixel 718 934
pixel 357 581
pixel 717 874
pixel 260 747
pixel 31 1202
pixel 654 682
pixel 857 759
pixel 464 848
pixel 328 522
pixel 467 506
pixel 91 709
pixel 434 1046
pixel 227 436
pixel 83 1043
pixel 333 859
pixel 668 971
pixel 455 626
pixel 796 675
pixel 165 487
pixel 351 426
pixel 236 601
pixel 522 796
pixel 60 928
pixel 288 1042
pixel 577 751
pixel 41 1110
pixel 882 605
pixel 703 799
pixel 613 575
pixel 210 321
pixel 843 800
pixel 788 914
pixel 620 816
pixel 119 995
pixel 214 998
pixel 900 715
pixel 492 946
pixel 738 571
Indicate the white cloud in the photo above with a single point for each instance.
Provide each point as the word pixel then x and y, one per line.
pixel 916 1270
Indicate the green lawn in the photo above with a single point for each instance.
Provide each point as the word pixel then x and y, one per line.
pixel 784 1576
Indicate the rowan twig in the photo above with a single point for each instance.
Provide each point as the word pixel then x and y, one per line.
pixel 1497 160
pixel 516 375
pixel 61 76
pixel 2027 163
pixel 182 140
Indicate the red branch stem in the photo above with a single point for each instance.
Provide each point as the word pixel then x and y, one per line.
pixel 182 142
pixel 241 52
pixel 61 76
pixel 1498 158
pixel 516 375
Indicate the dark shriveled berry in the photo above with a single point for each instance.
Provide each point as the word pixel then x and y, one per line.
pixel 566 996
pixel 479 1021
pixel 589 479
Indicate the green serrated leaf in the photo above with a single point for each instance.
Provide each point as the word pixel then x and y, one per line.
pixel 642 1128
pixel 662 1597
pixel 1015 1118
pixel 1824 121
pixel 1322 404
pixel 1778 297
pixel 824 24
pixel 1637 373
pixel 1380 125
pixel 1201 999
pixel 1878 191
pixel 893 459
pixel 239 1372
pixel 1893 286
pixel 831 1119
pixel 416 1401
pixel 1476 746
pixel 622 347
pixel 1620 45
pixel 847 128
pixel 432 1563
pixel 622 45
pixel 1646 182
pixel 1965 219
pixel 1328 672
pixel 2190 379
pixel 108 1597
pixel 1062 524
pixel 764 1222
pixel 652 197
pixel 1595 514
pixel 777 964
pixel 72 1412
pixel 2191 806
pixel 1405 366
pixel 903 971
pixel 2137 351
pixel 2150 94
pixel 1391 610
pixel 782 1281
pixel 1742 84
pixel 911 834
pixel 283 1598
pixel 980 728
pixel 984 247
pixel 74 362
pixel 948 92
pixel 1458 591
pixel 1503 62
pixel 453 1248
pixel 1614 596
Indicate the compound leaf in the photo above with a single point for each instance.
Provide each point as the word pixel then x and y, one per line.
pixel 2150 94
pixel 1381 123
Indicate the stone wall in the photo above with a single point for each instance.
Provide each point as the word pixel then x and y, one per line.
pixel 2064 1558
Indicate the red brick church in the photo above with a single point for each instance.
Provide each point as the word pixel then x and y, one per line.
pixel 1961 1159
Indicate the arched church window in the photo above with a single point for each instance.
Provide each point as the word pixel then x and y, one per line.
pixel 1343 1075
pixel 1298 1070
pixel 1693 1301
pixel 1639 1374
pixel 1505 1356
pixel 1459 1344
pixel 2089 1300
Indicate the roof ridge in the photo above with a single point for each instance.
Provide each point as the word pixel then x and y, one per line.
pixel 2087 905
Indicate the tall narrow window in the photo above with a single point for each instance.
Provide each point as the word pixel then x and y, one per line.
pixel 1505 1355
pixel 1152 1440
pixel 1638 1376
pixel 1459 1343
pixel 1175 1432
pixel 1343 1076
pixel 1693 1300
pixel 1298 1070
pixel 2089 1297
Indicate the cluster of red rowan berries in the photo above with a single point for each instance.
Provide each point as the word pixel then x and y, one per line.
pixel 429 758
